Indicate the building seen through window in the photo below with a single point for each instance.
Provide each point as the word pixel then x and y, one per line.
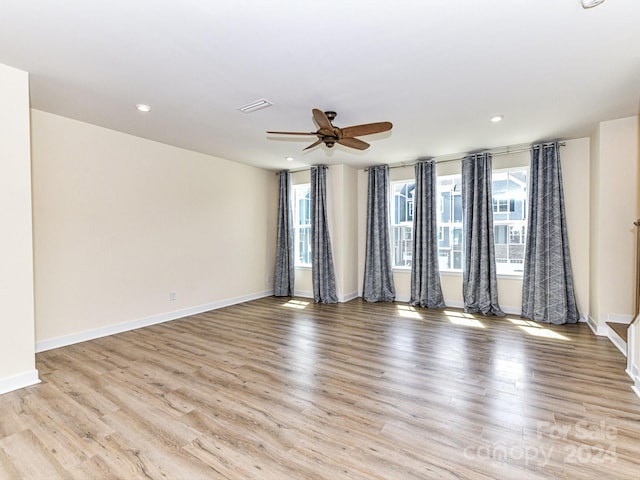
pixel 302 224
pixel 402 222
pixel 450 222
pixel 509 189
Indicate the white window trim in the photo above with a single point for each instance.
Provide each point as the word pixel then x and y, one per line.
pixel 295 212
pixel 391 203
pixel 526 168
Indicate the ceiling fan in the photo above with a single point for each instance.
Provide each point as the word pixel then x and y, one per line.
pixel 330 135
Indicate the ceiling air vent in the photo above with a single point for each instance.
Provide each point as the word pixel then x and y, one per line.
pixel 253 106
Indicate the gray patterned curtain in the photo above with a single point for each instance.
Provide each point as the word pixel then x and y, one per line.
pixel 322 272
pixel 547 286
pixel 283 278
pixel 378 274
pixel 479 280
pixel 425 274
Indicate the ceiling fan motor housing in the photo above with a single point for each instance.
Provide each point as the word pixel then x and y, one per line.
pixel 331 115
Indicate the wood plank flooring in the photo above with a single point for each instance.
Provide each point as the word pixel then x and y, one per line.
pixel 287 389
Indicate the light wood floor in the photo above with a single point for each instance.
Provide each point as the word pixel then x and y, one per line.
pixel 277 390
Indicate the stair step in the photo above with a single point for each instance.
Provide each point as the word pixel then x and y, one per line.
pixel 620 329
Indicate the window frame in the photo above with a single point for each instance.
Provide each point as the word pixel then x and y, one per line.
pixel 403 227
pixel 298 194
pixel 508 207
pixel 510 223
pixel 454 250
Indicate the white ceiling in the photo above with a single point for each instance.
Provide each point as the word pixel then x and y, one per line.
pixel 437 69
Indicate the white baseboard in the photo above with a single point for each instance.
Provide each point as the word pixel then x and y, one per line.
pixel 94 333
pixel 460 305
pixel 15 382
pixel 349 296
pixel 511 310
pixel 633 358
pixel 634 374
pixel 617 341
pixel 303 294
pixel 345 298
pixel 600 330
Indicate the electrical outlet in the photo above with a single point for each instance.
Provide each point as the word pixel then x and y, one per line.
pixel 268 279
pixel 172 296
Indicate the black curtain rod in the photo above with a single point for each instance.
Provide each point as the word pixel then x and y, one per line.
pixel 456 159
pixel 494 154
pixel 302 169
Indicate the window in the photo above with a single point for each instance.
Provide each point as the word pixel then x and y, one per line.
pixel 509 219
pixel 500 234
pixel 402 222
pixel 516 234
pixel 302 224
pixel 502 205
pixel 450 223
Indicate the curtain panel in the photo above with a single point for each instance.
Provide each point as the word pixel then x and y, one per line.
pixel 283 278
pixel 426 290
pixel 378 274
pixel 322 270
pixel 479 279
pixel 547 285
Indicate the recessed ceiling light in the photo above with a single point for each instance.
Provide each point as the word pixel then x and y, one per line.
pixel 143 108
pixel 289 159
pixel 496 118
pixel 591 3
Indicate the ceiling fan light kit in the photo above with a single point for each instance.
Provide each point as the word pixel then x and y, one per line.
pixel 330 135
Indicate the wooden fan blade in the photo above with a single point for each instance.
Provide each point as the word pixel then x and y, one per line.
pixel 366 129
pixel 294 133
pixel 317 142
pixel 323 122
pixel 353 143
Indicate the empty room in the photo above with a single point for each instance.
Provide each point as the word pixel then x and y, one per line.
pixel 336 240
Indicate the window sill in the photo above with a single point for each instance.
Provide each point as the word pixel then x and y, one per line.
pixel 451 273
pixel 510 276
pixel 401 269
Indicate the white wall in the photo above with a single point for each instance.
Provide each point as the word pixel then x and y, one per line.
pixel 342 211
pixel 594 237
pixel 120 222
pixel 614 207
pixel 574 159
pixel 575 163
pixel 633 341
pixel 342 216
pixel 17 356
pixel 633 362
